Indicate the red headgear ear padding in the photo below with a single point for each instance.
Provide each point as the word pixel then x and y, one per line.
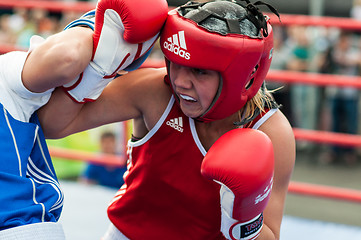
pixel 241 60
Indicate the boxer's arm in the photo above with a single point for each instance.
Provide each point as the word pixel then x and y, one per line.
pixel 138 93
pixel 121 38
pixel 280 132
pixel 58 60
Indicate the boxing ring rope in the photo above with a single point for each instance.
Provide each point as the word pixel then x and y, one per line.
pixel 77 155
pixel 290 77
pixel 51 6
pixel 286 19
pixel 293 77
pixel 300 188
pixel 322 191
pixel 309 78
pixel 4 48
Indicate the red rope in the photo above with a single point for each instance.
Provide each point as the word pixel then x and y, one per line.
pixel 329 192
pixel 332 22
pixel 4 48
pixel 305 189
pixel 314 78
pixel 328 137
pixel 83 156
pixel 52 6
pixel 293 77
pixel 286 19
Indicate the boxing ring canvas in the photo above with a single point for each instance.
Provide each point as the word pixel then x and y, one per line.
pixel 84 217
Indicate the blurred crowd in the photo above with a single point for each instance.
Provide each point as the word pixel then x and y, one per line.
pixel 18 25
pixel 330 108
pixel 296 48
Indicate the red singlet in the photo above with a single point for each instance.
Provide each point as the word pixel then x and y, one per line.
pixel 164 195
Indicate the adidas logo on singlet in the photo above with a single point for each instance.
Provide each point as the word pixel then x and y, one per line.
pixel 177 45
pixel 176 123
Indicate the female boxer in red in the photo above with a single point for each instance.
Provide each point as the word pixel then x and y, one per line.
pixel 210 97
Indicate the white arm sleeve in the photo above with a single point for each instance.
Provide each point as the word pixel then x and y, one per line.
pixel 14 96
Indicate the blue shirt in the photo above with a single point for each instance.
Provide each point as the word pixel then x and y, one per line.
pixel 105 176
pixel 29 189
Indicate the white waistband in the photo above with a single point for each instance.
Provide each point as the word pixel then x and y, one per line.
pixel 114 234
pixel 38 231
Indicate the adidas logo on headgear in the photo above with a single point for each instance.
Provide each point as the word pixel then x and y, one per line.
pixel 177 45
pixel 176 123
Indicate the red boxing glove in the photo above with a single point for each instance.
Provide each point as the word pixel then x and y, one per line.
pixel 137 24
pixel 142 19
pixel 242 162
pixel 124 33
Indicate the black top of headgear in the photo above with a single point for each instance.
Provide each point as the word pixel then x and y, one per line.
pixel 253 14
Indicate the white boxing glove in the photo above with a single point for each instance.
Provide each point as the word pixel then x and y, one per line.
pixel 124 33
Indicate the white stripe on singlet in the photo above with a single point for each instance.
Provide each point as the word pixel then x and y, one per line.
pixel 14 140
pixel 264 118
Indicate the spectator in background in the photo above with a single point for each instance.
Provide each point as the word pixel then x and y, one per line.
pixel 17 28
pixel 108 176
pixel 356 10
pixel 7 35
pixel 282 50
pixel 13 24
pixel 344 59
pixel 38 21
pixel 324 39
pixel 304 98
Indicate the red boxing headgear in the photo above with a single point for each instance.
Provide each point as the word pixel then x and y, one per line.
pixel 241 56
